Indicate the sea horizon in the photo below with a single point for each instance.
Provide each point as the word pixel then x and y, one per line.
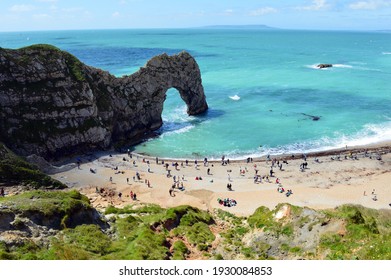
pixel 219 26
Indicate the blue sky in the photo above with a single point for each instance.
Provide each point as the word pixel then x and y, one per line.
pixel 26 15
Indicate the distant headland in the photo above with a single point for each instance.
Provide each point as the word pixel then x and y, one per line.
pixel 245 26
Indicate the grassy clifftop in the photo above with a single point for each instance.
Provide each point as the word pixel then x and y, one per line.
pixel 14 170
pixel 149 232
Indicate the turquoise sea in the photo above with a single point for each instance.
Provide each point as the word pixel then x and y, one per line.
pixel 262 86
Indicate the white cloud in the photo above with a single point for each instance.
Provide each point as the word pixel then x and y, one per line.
pixel 116 15
pixel 47 1
pixel 369 5
pixel 263 11
pixel 21 8
pixel 41 16
pixel 228 12
pixel 315 6
pixel 72 10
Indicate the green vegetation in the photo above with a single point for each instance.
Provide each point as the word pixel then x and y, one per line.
pixel 49 208
pixel 41 47
pixel 187 215
pixel 367 236
pixel 198 235
pixel 180 250
pixel 74 64
pixel 15 170
pixel 262 218
pixel 146 209
pixel 149 232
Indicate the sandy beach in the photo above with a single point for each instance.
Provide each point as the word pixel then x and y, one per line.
pixel 359 175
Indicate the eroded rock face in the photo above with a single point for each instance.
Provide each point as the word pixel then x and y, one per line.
pixel 51 104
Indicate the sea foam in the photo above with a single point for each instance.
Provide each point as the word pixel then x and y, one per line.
pixel 338 65
pixel 370 134
pixel 235 97
pixel 342 66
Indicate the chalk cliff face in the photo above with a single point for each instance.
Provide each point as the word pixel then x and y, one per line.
pixel 51 104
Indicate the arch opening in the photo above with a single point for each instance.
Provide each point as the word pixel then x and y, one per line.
pixel 175 115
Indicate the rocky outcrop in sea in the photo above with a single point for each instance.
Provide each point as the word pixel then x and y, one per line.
pixel 53 105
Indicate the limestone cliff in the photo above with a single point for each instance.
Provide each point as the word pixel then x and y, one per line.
pixel 51 104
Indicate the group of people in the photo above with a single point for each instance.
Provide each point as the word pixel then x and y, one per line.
pixel 303 166
pixel 179 186
pixel 133 195
pixel 228 202
pixel 281 189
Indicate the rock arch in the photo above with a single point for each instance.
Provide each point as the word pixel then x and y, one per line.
pixel 52 104
pixel 179 71
pixel 150 84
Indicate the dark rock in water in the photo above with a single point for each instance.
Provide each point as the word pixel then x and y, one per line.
pixel 314 118
pixel 321 66
pixel 52 105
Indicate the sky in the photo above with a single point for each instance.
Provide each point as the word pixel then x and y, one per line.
pixel 29 15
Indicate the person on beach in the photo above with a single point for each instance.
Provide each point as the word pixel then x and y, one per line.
pixel 2 194
pixel 111 179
